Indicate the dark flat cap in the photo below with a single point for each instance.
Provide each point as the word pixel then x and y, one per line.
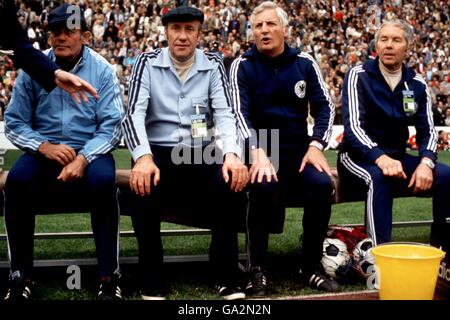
pixel 183 14
pixel 70 16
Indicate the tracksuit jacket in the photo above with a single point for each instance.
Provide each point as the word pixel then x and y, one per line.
pixel 161 105
pixel 35 116
pixel 274 93
pixel 374 120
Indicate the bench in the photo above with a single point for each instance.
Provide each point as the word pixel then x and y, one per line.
pixel 196 227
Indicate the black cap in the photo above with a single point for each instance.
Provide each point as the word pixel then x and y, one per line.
pixel 70 16
pixel 183 14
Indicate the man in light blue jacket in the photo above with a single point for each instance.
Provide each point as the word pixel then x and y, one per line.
pixel 67 147
pixel 178 95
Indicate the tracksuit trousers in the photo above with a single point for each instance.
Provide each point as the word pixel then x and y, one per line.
pixel 28 183
pixel 311 189
pixel 194 188
pixel 359 176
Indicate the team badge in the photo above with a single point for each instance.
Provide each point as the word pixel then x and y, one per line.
pixel 300 89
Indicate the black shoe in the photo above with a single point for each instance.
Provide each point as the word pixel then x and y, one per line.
pixel 19 290
pixel 230 293
pixel 153 287
pixel 157 292
pixel 317 280
pixel 109 289
pixel 257 286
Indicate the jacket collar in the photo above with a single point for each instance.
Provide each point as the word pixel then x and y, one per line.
pixel 371 66
pixel 288 52
pixel 201 62
pixel 79 64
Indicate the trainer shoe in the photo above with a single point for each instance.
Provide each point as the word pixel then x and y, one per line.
pixel 109 289
pixel 19 290
pixel 230 293
pixel 319 281
pixel 154 293
pixel 257 286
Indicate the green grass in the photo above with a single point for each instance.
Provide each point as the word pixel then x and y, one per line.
pixel 188 280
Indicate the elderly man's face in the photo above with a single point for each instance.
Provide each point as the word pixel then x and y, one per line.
pixel 269 33
pixel 67 43
pixel 392 47
pixel 182 38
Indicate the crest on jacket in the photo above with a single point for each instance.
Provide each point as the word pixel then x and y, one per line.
pixel 300 89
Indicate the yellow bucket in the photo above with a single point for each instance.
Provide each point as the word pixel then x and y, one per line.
pixel 407 271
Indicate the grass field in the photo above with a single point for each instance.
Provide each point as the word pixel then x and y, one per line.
pixel 188 280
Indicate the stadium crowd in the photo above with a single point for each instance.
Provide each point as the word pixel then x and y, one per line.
pixel 338 34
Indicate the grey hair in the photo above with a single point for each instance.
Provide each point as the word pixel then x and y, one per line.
pixel 266 5
pixel 402 24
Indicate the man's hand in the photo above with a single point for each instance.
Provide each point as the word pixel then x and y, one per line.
pixel 61 153
pixel 74 85
pixel 142 173
pixel 239 172
pixel 390 167
pixel 73 170
pixel 261 166
pixel 422 178
pixel 315 157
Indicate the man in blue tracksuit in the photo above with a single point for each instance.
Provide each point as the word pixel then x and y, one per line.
pixel 273 88
pixel 67 147
pixel 178 96
pixel 380 100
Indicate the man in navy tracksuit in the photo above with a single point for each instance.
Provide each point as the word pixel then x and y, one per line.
pixel 272 87
pixel 380 100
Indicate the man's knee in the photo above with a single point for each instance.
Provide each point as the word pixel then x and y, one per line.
pixel 21 179
pixel 321 184
pixel 442 176
pixel 101 175
pixel 264 187
pixel 18 180
pixel 102 179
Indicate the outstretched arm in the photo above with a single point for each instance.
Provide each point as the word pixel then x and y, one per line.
pixel 43 70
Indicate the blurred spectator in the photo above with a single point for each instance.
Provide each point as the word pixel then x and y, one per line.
pixel 130 59
pixel 443 140
pixel 447 117
pixel 111 31
pixel 4 99
pixel 336 98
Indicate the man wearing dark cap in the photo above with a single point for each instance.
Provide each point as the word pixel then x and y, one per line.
pixel 34 62
pixel 177 95
pixel 67 149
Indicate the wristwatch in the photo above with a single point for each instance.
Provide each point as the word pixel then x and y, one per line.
pixel 428 162
pixel 316 144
